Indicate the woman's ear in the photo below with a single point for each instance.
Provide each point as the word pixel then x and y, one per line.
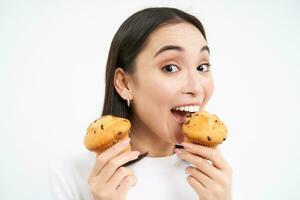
pixel 121 83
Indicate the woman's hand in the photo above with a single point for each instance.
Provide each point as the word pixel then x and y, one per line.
pixel 108 179
pixel 211 175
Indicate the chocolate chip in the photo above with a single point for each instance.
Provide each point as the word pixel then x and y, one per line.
pixel 187 122
pixel 102 127
pixel 95 120
pixel 94 132
pixel 119 133
pixel 209 138
pixel 224 139
pixel 216 120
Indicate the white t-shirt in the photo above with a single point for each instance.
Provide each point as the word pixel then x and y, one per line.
pixel 158 178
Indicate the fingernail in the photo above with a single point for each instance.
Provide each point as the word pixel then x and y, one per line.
pixel 125 142
pixel 136 153
pixel 187 170
pixel 187 145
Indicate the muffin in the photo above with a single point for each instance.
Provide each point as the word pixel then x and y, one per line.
pixel 105 132
pixel 205 129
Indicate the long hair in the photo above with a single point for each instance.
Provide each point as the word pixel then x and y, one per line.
pixel 128 41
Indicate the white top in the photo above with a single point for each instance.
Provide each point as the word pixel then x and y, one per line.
pixel 158 178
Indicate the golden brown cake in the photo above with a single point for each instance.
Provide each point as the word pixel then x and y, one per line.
pixel 105 132
pixel 205 129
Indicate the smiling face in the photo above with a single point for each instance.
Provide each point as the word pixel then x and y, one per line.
pixel 171 74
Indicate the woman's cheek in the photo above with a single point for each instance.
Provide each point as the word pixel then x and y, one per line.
pixel 209 87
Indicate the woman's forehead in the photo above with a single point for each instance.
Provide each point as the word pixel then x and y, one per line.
pixel 183 35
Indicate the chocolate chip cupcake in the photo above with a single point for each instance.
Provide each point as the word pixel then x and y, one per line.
pixel 205 129
pixel 105 132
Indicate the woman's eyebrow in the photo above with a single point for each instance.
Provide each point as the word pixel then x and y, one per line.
pixel 205 48
pixel 168 48
pixel 177 48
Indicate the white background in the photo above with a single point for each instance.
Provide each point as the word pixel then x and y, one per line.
pixel 52 59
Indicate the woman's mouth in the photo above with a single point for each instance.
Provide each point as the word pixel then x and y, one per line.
pixel 180 113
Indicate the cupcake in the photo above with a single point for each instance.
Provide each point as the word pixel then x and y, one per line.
pixel 205 129
pixel 105 132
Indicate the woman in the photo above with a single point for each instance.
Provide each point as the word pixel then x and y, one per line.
pixel 158 61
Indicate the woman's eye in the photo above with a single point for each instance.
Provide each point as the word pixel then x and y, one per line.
pixel 203 67
pixel 170 68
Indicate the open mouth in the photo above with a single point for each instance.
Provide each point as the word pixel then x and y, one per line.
pixel 180 113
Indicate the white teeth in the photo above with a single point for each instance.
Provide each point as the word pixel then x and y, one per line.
pixel 192 108
pixel 188 108
pixel 195 108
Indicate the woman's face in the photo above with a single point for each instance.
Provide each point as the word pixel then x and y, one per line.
pixel 171 71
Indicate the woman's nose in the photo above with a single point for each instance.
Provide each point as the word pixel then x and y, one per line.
pixel 194 84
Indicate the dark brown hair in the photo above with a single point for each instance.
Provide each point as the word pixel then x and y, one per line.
pixel 128 41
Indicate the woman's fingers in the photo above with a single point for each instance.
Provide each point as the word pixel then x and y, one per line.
pixel 200 176
pixel 105 156
pixel 201 163
pixel 197 186
pixel 126 184
pixel 112 165
pixel 108 175
pixel 211 176
pixel 118 176
pixel 212 154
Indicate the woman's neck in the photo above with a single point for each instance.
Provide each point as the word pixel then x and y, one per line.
pixel 144 140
